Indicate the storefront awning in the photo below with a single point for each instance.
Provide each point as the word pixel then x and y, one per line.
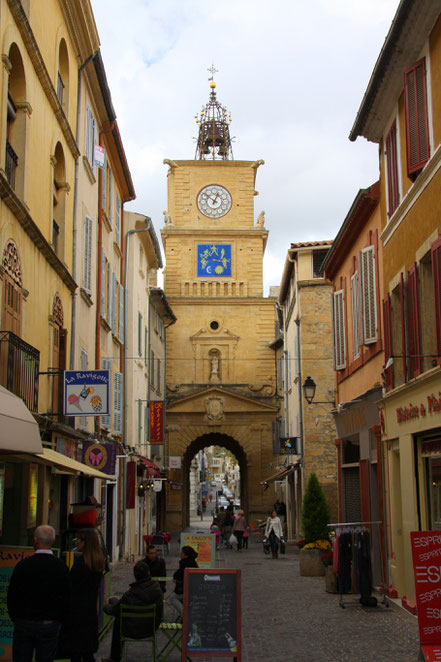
pixel 153 470
pixel 19 431
pixel 280 475
pixel 59 460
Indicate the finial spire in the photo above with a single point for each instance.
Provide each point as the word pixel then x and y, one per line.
pixel 213 141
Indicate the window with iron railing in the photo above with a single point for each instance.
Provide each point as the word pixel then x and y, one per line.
pixel 11 164
pixel 19 367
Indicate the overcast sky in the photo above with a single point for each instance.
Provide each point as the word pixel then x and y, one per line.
pixel 292 74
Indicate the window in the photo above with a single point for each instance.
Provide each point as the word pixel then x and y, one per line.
pixel 87 257
pixel 317 263
pixel 355 297
pixel 121 313
pixel 63 76
pixel 398 319
pixel 393 195
pixel 114 311
pixel 90 136
pixel 104 183
pixel 338 314
pixel 417 127
pixel 110 214
pixel 109 292
pixel 107 365
pixel 436 274
pixel 368 294
pixel 117 402
pixel 117 217
pixel 414 322
pixel 387 323
pixel 103 284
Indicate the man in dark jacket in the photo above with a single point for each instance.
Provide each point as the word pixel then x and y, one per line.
pixel 38 600
pixel 156 565
pixel 143 591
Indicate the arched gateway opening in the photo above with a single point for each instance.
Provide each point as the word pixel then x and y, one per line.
pixel 204 441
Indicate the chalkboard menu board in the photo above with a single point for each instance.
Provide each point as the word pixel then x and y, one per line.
pixel 212 613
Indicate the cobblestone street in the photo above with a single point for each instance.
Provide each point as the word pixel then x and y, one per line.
pixel 288 617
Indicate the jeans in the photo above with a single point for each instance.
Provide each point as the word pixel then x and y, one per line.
pixel 176 600
pixel 40 636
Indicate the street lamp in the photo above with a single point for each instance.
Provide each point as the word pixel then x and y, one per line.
pixel 309 393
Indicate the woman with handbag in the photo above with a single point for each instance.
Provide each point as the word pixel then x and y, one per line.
pixel 239 527
pixel 274 533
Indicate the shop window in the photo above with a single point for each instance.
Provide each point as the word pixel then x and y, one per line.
pixel 17 115
pixel 433 472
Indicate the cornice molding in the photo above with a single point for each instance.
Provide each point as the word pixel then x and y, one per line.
pixel 36 58
pixel 80 21
pixel 17 207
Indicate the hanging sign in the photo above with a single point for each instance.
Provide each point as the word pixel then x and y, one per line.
pixel 174 462
pixel 86 393
pixel 100 456
pixel 157 485
pixel 157 422
pixel 426 553
pixel 99 156
pixel 288 446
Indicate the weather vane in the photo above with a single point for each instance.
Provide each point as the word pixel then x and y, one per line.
pixel 212 71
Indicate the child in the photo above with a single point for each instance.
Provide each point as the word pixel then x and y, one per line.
pixel 245 537
pixel 215 529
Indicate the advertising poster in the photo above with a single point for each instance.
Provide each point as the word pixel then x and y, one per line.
pixel 156 422
pixel 204 544
pixel 86 393
pixel 426 553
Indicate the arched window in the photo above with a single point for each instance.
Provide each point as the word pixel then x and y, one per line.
pixel 60 187
pixel 63 76
pixel 12 289
pixel 18 111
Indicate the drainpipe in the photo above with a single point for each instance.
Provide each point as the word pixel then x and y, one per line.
pixel 125 404
pixel 165 407
pixel 74 228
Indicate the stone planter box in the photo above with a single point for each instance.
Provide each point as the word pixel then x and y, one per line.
pixel 311 564
pixel 330 580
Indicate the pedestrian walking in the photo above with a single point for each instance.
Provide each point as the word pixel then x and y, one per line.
pixel 79 636
pixel 228 527
pixel 38 600
pixel 156 565
pixel 142 592
pixel 188 558
pixel 239 527
pixel 274 533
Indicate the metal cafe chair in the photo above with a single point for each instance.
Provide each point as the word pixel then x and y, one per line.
pixel 137 612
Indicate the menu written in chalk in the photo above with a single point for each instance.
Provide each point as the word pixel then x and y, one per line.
pixel 212 613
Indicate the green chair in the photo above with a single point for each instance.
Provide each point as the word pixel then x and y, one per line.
pixel 137 612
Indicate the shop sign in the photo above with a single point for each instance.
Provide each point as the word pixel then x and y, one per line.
pixel 412 412
pixel 204 545
pixel 86 393
pixel 426 553
pixel 99 156
pixel 174 462
pixel 289 446
pixel 157 422
pixel 354 419
pixel 100 456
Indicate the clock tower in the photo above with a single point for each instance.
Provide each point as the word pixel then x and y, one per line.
pixel 220 369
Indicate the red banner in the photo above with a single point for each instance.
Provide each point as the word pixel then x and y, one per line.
pixel 157 422
pixel 130 485
pixel 426 552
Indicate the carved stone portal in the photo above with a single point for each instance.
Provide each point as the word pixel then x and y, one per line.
pixel 214 407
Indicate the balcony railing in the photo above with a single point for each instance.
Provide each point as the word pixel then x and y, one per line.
pixel 19 367
pixel 11 164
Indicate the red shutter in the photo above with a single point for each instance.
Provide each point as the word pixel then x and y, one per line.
pixel 414 322
pixel 389 371
pixel 403 325
pixel 436 272
pixel 393 198
pixel 417 127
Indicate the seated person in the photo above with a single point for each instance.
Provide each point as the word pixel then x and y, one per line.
pixel 156 565
pixel 188 560
pixel 143 591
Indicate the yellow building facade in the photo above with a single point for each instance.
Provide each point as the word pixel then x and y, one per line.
pixel 220 368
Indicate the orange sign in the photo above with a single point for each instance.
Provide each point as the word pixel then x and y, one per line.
pixel 157 422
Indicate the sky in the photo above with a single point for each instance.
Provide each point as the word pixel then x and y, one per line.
pixel 291 73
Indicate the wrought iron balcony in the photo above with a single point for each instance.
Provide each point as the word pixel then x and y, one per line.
pixel 11 164
pixel 19 367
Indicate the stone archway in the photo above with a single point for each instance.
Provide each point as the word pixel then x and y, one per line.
pixel 204 441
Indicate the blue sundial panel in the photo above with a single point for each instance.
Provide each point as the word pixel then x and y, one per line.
pixel 214 260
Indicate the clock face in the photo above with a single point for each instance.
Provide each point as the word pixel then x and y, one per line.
pixel 214 201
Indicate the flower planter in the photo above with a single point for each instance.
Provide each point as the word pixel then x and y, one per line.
pixel 330 580
pixel 311 564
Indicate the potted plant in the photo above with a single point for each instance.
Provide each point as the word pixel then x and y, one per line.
pixel 315 518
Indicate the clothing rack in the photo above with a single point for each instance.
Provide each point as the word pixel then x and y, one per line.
pixel 355 559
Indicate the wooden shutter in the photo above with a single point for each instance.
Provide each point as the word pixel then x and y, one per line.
pixel 414 322
pixel 106 420
pixel 338 314
pixel 387 325
pixel 87 258
pixel 104 183
pixel 393 197
pixel 368 295
pixel 117 217
pixel 417 126
pixel 103 283
pixel 403 325
pixel 110 215
pixel 109 292
pixel 117 402
pixel 436 273
pixel 114 311
pixel 121 314
pixel 355 298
